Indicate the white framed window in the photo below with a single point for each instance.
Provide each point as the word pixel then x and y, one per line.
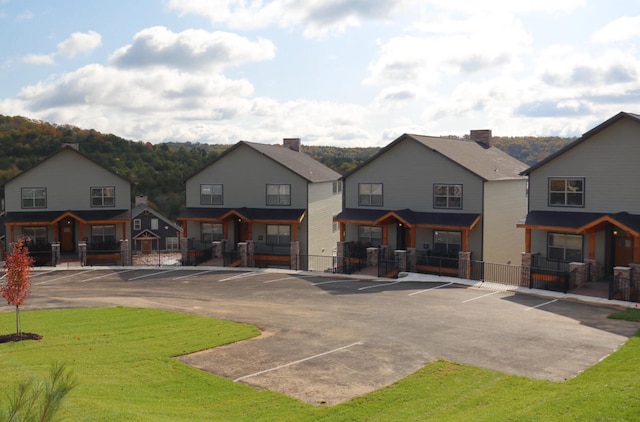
pixel 154 224
pixel 337 187
pixel 278 194
pixel 447 244
pixel 278 234
pixel 210 232
pixel 564 247
pixel 211 194
pixel 104 196
pixel 370 235
pixel 447 196
pixel 36 235
pixel 172 243
pixel 566 192
pixel 137 224
pixel 34 197
pixel 370 194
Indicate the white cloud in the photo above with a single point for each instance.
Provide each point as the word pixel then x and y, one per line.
pixel 190 49
pixel 79 43
pixel 621 29
pixel 39 59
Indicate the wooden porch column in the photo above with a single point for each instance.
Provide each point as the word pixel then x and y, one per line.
pixel 124 230
pixel 385 235
pixel 592 245
pixel 184 229
pixel 249 232
pixel 465 240
pixel 343 231
pixel 527 240
pixel 12 233
pixel 294 235
pixel 636 249
pixel 56 233
pixel 82 231
pixel 225 230
pixel 412 237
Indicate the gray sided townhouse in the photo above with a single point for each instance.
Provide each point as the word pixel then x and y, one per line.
pixel 584 200
pixel 440 196
pixel 67 199
pixel 272 195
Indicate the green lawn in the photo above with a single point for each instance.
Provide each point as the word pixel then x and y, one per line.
pixel 122 358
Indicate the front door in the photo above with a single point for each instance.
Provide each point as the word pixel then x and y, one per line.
pixel 401 239
pixel 67 231
pixel 623 250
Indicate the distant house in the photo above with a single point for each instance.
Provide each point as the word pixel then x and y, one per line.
pixel 438 196
pixel 151 231
pixel 584 201
pixel 275 196
pixel 67 199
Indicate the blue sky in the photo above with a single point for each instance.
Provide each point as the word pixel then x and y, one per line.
pixel 332 72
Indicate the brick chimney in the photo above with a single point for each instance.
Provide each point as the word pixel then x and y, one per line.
pixel 482 136
pixel 292 143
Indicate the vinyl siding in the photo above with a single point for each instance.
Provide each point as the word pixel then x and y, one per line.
pixel 408 172
pixel 68 178
pixel 505 204
pixel 244 174
pixel 608 160
pixel 323 205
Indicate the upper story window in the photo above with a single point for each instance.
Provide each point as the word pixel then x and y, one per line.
pixel 278 194
pixel 447 196
pixel 211 194
pixel 137 224
pixel 566 192
pixel 34 197
pixel 370 194
pixel 103 196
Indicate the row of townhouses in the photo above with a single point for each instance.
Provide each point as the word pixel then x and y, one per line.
pixel 427 197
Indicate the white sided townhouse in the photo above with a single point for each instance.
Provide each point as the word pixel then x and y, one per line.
pixel 273 196
pixel 437 197
pixel 65 202
pixel 584 200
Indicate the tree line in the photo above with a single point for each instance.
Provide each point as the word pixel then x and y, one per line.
pixel 158 171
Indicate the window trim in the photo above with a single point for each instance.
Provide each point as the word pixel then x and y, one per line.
pixel 278 242
pixel 279 196
pixel 371 195
pixel 33 198
pixel 566 179
pixel 212 232
pixel 212 195
pixel 170 239
pixel 137 224
pixel 102 197
pixel 564 248
pixel 362 226
pixel 448 197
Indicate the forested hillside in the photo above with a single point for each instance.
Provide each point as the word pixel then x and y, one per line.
pixel 159 170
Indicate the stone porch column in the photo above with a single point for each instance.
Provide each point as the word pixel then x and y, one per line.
pixel 525 272
pixel 82 252
pixel 372 257
pixel 125 252
pixel 581 270
pixel 295 255
pixel 464 265
pixel 412 260
pixel 251 247
pixel 55 253
pixel 401 260
pixel 622 277
pixel 184 250
pixel 217 249
pixel 244 256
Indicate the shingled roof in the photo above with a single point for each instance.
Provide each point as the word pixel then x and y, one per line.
pixel 487 162
pixel 298 162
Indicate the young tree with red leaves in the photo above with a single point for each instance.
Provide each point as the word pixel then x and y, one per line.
pixel 17 285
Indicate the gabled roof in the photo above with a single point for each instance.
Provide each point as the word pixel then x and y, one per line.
pixel 250 214
pixel 67 148
pixel 139 209
pixel 488 163
pixel 297 162
pixel 584 137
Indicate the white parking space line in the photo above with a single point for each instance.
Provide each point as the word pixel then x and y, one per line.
pixel 39 273
pixel 279 279
pixel 480 297
pixel 542 304
pixel 106 275
pixel 66 276
pixel 193 275
pixel 432 288
pixel 242 275
pixel 152 274
pixel 379 285
pixel 330 281
pixel 298 361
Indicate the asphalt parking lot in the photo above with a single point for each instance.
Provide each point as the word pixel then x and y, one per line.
pixel 327 338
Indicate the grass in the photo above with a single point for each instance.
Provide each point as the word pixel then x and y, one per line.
pixel 122 358
pixel 629 314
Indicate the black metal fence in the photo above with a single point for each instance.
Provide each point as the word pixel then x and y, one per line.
pixel 387 267
pixel 198 252
pixel 439 265
pixel 620 289
pixel 41 258
pixel 103 257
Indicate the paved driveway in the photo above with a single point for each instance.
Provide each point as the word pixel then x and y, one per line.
pixel 327 339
